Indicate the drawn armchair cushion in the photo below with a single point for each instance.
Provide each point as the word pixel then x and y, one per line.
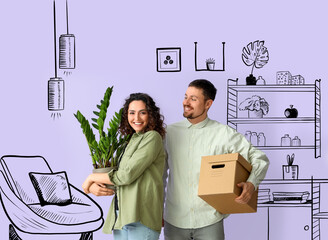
pixel 24 210
pixel 52 188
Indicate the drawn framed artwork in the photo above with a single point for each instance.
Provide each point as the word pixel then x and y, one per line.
pixel 168 59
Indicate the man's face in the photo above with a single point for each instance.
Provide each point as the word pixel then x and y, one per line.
pixel 194 105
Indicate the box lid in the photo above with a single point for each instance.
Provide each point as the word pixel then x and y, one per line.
pixel 230 157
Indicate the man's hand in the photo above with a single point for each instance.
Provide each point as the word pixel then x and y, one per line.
pixel 246 194
pixel 99 189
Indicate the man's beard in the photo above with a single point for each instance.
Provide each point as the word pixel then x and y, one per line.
pixel 190 116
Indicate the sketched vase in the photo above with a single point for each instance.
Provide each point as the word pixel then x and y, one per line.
pixel 250 80
pixel 290 172
pixel 105 170
pixel 210 66
pixel 255 113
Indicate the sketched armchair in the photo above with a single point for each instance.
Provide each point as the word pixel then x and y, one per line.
pixel 38 201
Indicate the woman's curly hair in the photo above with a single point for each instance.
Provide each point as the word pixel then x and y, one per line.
pixel 155 119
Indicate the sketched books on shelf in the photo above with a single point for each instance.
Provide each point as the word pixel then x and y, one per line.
pixel 290 197
pixel 263 196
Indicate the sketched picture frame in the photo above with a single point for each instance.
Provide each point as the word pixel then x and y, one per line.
pixel 168 59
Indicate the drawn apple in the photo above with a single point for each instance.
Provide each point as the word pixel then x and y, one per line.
pixel 291 112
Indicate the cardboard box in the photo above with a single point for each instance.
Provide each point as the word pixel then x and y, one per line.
pixel 219 175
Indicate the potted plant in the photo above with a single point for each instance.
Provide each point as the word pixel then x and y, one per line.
pixel 105 151
pixel 255 55
pixel 256 106
pixel 210 63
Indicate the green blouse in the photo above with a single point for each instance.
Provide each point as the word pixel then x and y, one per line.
pixel 139 183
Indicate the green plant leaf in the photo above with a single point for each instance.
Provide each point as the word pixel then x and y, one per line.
pixel 110 145
pixel 86 129
pixel 255 54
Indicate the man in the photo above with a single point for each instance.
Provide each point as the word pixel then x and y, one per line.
pixel 186 215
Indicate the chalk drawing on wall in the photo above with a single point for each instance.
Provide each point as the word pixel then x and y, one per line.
pixel 56 85
pixel 38 201
pixel 210 63
pixel 255 106
pixel 284 127
pixel 256 55
pixel 168 59
pixel 286 78
pixel 299 202
pixel 67 48
pixel 290 171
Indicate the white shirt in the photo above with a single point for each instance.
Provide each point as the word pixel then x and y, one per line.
pixel 185 145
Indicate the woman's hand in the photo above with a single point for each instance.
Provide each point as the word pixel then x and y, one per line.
pixel 99 179
pixel 99 189
pixel 86 185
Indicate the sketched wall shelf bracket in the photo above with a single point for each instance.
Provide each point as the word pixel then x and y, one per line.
pixel 211 60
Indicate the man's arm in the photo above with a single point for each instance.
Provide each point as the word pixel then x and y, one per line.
pixel 256 158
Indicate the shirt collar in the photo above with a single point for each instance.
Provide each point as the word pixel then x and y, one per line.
pixel 138 134
pixel 197 125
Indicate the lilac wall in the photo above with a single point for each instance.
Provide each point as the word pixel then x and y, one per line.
pixel 116 45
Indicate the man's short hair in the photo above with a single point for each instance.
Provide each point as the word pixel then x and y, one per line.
pixel 208 88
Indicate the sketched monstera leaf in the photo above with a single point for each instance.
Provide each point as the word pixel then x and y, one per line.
pixel 255 54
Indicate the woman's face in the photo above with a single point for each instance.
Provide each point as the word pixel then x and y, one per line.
pixel 138 115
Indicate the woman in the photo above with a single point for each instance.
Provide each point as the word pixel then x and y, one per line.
pixel 138 210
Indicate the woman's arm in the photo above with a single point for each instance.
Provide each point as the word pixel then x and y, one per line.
pixel 99 189
pixel 101 178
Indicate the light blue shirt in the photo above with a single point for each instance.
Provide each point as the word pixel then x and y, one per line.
pixel 185 145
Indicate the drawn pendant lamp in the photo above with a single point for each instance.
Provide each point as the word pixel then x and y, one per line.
pixel 67 48
pixel 56 86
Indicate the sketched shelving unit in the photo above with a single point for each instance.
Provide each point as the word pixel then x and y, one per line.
pixel 234 121
pixel 297 219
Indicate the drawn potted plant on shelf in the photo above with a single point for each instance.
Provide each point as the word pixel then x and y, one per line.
pixel 290 171
pixel 210 63
pixel 256 106
pixel 255 54
pixel 107 150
